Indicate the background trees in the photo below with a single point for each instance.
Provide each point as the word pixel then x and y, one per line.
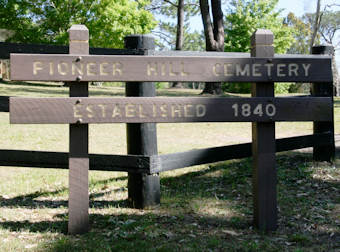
pixel 242 19
pixel 47 21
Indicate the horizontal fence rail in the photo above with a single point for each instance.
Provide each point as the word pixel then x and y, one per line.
pixel 41 67
pixel 179 160
pixel 168 110
pixel 59 160
pixel 7 48
pixel 156 163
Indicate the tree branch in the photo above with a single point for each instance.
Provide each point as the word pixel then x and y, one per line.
pixel 169 2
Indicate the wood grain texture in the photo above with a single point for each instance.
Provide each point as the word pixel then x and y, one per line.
pixel 327 151
pixel 141 138
pixel 168 110
pixel 148 68
pixel 167 162
pixel 263 145
pixel 78 158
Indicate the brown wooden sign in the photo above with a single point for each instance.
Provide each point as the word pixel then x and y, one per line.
pixel 167 110
pixel 168 68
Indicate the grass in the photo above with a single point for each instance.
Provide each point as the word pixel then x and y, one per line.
pixel 203 208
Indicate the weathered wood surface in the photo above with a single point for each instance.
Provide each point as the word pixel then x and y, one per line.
pixel 327 151
pixel 7 48
pixel 167 162
pixel 264 179
pixel 159 109
pixel 168 68
pixel 59 160
pixel 141 138
pixel 79 164
pixel 155 163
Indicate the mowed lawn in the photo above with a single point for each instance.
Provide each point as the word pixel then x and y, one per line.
pixel 203 208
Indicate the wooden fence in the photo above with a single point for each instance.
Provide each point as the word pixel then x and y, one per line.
pixel 142 162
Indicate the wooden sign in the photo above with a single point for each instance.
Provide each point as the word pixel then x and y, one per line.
pixel 168 68
pixel 167 110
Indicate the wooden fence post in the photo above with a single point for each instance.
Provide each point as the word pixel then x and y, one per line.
pixel 263 144
pixel 323 152
pixel 78 157
pixel 143 189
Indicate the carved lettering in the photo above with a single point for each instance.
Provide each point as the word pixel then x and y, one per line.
pixel 130 110
pixel 89 109
pixel 255 70
pixel 306 68
pixel 103 68
pixel 293 68
pixel 188 110
pixel 242 72
pixel 37 66
pixel 217 65
pixel 116 112
pixel 280 69
pixel 63 68
pixel 77 67
pixel 76 111
pixel 152 69
pixel 90 71
pixel 227 70
pixel 201 110
pixel 175 111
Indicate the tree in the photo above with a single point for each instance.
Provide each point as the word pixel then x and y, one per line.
pixel 214 35
pixel 329 27
pixel 302 34
pixel 174 34
pixel 47 21
pixel 243 18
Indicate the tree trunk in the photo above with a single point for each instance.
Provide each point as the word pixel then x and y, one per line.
pixel 214 36
pixel 336 82
pixel 316 27
pixel 179 35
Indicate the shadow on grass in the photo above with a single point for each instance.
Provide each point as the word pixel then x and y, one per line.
pixel 307 213
pixel 30 201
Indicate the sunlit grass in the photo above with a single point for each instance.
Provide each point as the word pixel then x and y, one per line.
pixel 206 207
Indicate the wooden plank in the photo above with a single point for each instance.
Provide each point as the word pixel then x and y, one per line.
pixel 59 160
pixel 7 48
pixel 264 178
pixel 154 164
pixel 4 103
pixel 327 151
pixel 167 162
pixel 165 110
pixel 168 68
pixel 78 204
pixel 141 138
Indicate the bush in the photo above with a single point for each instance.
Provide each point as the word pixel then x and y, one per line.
pixel 245 88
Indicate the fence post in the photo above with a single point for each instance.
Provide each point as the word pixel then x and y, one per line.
pixel 263 144
pixel 323 152
pixel 143 189
pixel 78 203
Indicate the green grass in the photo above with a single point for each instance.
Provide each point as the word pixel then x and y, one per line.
pixel 203 208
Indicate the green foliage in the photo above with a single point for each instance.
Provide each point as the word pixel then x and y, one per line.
pixel 242 20
pixel 243 88
pixel 302 34
pixel 246 16
pixel 46 21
